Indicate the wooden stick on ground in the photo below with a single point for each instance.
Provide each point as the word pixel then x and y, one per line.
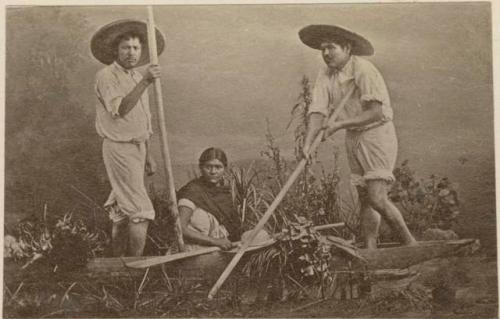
pixel 277 200
pixel 153 58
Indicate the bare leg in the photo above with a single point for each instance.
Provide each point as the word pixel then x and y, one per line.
pixel 119 237
pixel 137 232
pixel 378 199
pixel 370 224
pixel 370 219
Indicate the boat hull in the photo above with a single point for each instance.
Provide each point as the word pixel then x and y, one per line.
pixel 208 267
pixel 211 265
pixel 203 267
pixel 399 257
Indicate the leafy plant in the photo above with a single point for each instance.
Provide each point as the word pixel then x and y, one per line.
pixel 299 115
pixel 273 152
pixel 250 200
pixel 310 197
pixel 66 245
pixel 426 203
pixel 302 259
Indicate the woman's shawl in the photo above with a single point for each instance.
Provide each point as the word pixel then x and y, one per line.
pixel 216 200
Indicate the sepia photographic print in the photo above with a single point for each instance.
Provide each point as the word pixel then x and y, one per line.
pixel 250 160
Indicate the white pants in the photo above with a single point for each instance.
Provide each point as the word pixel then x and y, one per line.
pixel 372 153
pixel 125 164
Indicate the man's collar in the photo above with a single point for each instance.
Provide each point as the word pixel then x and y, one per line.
pixel 347 71
pixel 122 69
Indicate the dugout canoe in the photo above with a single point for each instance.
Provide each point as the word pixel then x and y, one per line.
pixel 202 267
pixel 394 256
pixel 206 265
pixel 209 266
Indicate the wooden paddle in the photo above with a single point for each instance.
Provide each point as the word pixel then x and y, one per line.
pixel 153 261
pixel 153 58
pixel 277 200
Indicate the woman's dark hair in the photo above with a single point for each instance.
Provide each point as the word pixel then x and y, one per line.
pixel 211 154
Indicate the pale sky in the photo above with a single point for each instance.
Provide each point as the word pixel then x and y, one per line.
pixel 228 67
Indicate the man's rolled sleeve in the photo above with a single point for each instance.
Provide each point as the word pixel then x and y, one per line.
pixel 109 92
pixel 372 88
pixel 320 95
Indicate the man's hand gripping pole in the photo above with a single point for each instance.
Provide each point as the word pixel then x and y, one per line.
pixel 277 200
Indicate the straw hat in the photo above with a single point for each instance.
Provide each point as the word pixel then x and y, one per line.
pixel 314 35
pixel 103 47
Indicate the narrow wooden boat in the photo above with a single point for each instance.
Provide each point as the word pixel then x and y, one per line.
pixel 201 267
pixel 210 265
pixel 399 257
pixel 406 256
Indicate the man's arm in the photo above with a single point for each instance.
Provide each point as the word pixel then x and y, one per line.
pixel 314 124
pixel 372 113
pixel 131 99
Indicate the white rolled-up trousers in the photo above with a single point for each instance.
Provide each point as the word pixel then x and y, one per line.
pixel 372 153
pixel 125 164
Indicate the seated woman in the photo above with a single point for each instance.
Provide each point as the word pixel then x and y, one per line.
pixel 207 214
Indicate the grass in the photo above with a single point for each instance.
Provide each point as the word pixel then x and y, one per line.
pixel 296 264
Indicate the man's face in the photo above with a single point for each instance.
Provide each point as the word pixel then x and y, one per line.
pixel 334 55
pixel 129 52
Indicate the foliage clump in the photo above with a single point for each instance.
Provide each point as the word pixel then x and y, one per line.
pixel 426 203
pixel 301 263
pixel 67 245
pixel 411 298
pixel 300 259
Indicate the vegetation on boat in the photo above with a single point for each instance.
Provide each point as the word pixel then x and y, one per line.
pixel 297 267
pixel 64 224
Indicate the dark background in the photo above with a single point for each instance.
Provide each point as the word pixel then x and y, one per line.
pixel 228 68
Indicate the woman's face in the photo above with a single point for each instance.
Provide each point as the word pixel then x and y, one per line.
pixel 212 171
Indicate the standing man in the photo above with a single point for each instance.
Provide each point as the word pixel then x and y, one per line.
pixel 367 118
pixel 123 120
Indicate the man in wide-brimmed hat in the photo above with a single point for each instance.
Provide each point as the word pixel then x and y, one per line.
pixel 371 141
pixel 123 120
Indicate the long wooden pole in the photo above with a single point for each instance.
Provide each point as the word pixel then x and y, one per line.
pixel 277 200
pixel 153 58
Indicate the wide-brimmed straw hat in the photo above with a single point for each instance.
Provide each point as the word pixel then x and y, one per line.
pixel 103 44
pixel 314 35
